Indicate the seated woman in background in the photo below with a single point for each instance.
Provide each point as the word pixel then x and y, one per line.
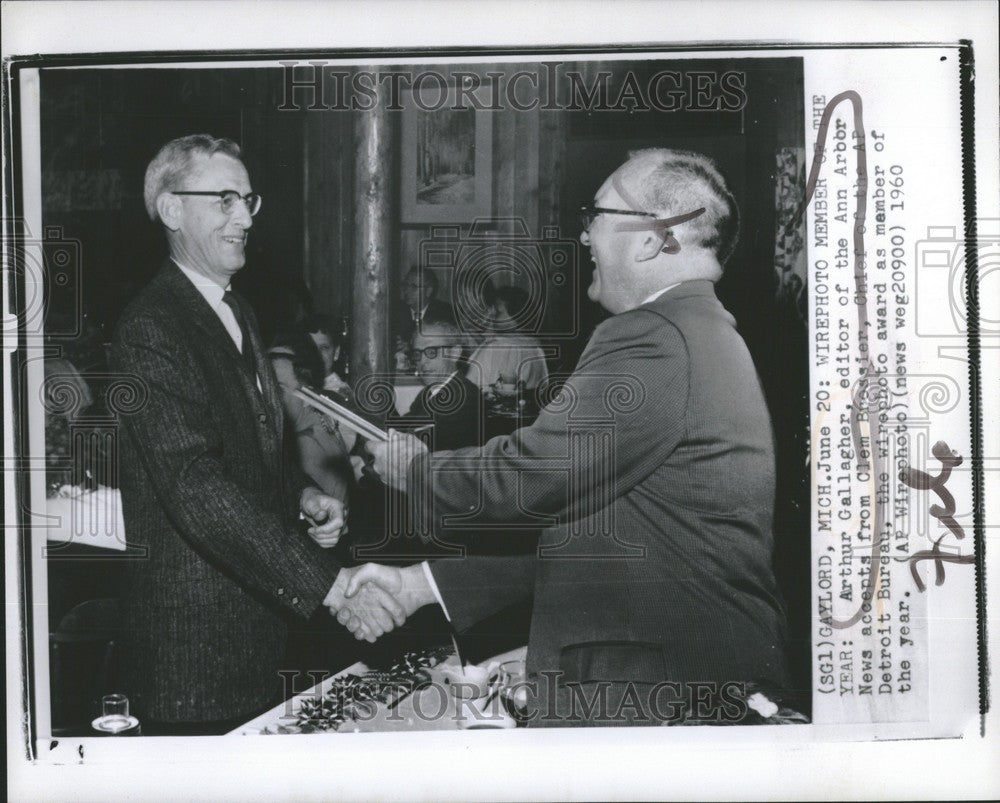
pixel 323 448
pixel 507 357
pixel 329 343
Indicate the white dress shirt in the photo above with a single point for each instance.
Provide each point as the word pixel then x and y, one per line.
pixel 659 293
pixel 214 294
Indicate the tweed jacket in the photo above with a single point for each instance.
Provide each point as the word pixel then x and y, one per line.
pixel 653 475
pixel 210 498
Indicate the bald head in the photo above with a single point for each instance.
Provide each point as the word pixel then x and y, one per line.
pixel 635 255
pixel 673 182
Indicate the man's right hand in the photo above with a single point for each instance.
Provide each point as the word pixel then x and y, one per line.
pixel 369 613
pixel 407 586
pixel 392 458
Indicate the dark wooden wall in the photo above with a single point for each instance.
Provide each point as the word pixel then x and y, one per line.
pixel 99 130
pixel 328 197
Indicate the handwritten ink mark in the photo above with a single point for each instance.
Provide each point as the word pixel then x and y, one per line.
pixel 922 481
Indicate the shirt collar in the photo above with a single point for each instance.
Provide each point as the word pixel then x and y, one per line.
pixel 659 293
pixel 210 290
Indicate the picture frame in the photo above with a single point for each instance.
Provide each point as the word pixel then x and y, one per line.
pixel 447 157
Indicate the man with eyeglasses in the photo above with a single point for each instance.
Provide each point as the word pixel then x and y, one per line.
pixel 652 471
pixel 448 401
pixel 210 499
pixel 448 412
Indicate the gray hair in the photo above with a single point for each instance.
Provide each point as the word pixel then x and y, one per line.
pixel 673 182
pixel 176 160
pixel 444 327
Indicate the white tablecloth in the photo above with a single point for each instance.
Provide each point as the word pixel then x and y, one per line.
pixel 432 708
pixel 91 518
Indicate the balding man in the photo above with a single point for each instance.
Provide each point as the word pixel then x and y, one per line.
pixel 448 401
pixel 654 596
pixel 205 489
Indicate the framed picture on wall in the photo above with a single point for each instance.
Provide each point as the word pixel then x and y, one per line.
pixel 447 159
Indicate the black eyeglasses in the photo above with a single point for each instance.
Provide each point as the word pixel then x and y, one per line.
pixel 588 212
pixel 228 199
pixel 430 352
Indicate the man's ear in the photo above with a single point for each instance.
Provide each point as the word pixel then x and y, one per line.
pixel 649 247
pixel 168 207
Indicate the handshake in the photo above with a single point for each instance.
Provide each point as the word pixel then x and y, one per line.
pixel 371 600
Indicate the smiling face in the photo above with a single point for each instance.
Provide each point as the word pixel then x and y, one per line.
pixel 613 285
pixel 204 238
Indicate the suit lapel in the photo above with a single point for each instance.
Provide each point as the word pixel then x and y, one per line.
pixel 200 314
pixel 212 335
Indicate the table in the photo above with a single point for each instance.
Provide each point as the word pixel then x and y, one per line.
pixel 430 708
pixel 92 518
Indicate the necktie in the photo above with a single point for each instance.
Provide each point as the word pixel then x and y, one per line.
pixel 248 355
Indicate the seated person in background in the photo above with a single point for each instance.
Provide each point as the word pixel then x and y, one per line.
pixel 329 344
pixel 66 396
pixel 323 448
pixel 419 304
pixel 507 356
pixel 448 400
pixel 473 297
pixel 455 407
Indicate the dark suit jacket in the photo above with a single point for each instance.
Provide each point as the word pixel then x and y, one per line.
pixel 436 310
pixel 209 493
pixel 456 410
pixel 654 470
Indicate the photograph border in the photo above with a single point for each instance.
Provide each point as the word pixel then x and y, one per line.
pixel 918 758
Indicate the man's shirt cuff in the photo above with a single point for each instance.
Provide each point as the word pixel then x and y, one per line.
pixel 434 587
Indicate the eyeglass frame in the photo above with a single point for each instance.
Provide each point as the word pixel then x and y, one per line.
pixel 414 354
pixel 589 213
pixel 251 200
